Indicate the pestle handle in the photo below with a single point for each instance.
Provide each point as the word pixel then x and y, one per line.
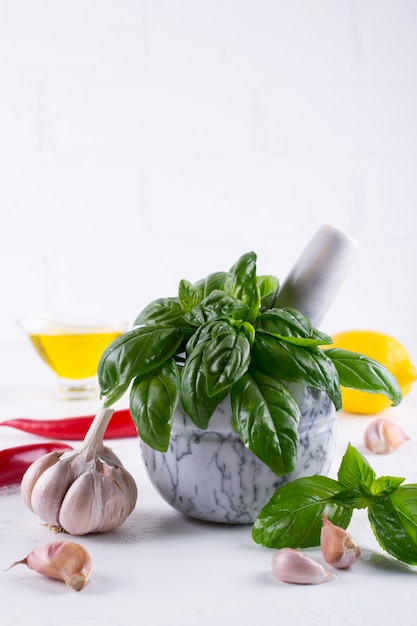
pixel 313 282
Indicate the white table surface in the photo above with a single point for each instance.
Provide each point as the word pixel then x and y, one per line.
pixel 162 569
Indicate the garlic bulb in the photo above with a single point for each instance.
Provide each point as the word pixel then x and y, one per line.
pixel 82 491
pixel 294 566
pixel 337 546
pixel 382 436
pixel 61 560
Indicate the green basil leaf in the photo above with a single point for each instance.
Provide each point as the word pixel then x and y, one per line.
pixel 357 371
pixel 354 498
pixel 241 283
pixel 225 359
pixel 207 331
pixel 404 501
pixel 153 400
pixel 354 470
pixel 384 486
pixel 293 516
pixel 245 328
pixel 211 283
pixel 162 312
pixel 266 416
pixel 196 402
pixel 268 288
pixel 216 305
pixel 135 353
pixel 290 325
pixel 292 363
pixel 188 296
pixel 394 531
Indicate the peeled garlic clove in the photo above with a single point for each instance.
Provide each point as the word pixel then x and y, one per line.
pixel 62 560
pixel 337 546
pixel 382 436
pixel 294 566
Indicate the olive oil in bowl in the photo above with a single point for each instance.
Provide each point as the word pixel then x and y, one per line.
pixel 72 351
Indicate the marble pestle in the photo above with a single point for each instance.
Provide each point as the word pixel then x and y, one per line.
pixel 315 278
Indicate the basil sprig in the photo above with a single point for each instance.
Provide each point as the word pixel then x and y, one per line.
pixel 223 336
pixel 293 516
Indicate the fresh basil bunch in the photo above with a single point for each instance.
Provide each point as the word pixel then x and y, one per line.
pixel 293 516
pixel 220 336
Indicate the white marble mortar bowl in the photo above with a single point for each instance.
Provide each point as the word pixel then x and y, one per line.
pixel 211 475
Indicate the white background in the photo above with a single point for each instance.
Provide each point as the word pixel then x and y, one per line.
pixel 145 141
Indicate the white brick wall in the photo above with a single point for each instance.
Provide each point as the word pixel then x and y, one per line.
pixel 143 141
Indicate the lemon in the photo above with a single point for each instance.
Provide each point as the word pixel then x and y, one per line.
pixel 390 353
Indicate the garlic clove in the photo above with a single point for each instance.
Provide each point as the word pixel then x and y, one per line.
pixel 48 491
pixel 119 493
pixel 293 566
pixel 337 546
pixel 98 501
pixel 34 471
pixel 382 436
pixel 93 501
pixel 80 510
pixel 67 561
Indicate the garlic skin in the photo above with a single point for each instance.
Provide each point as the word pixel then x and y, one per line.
pixel 293 566
pixel 62 560
pixel 382 436
pixel 82 491
pixel 337 546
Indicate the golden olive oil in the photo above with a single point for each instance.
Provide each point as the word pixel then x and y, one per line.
pixel 73 355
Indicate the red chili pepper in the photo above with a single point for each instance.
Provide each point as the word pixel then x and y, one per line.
pixel 15 461
pixel 75 428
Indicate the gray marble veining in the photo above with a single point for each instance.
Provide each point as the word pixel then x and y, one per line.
pixel 211 475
